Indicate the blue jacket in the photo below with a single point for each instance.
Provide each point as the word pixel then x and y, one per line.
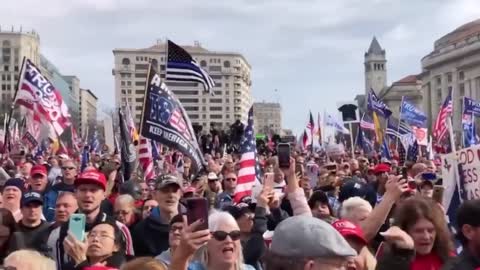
pixel 50 199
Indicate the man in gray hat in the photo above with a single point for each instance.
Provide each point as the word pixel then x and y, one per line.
pixel 305 242
pixel 150 236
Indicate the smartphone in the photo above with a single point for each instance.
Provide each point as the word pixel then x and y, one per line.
pixel 76 225
pixel 197 208
pixel 283 152
pixel 404 173
pixel 269 180
pixel 438 193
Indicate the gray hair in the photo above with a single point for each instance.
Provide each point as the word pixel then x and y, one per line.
pixel 215 220
pixel 29 259
pixel 125 198
pixel 350 205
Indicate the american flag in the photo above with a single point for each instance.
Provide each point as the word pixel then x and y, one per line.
pixel 440 127
pixel 366 123
pixel 177 121
pixel 249 165
pixel 131 124
pixel 182 67
pixel 38 94
pixel 145 158
pixel 310 124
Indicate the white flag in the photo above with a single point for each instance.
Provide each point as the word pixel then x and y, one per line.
pixel 330 121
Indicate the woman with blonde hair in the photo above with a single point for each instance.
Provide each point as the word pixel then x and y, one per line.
pixel 28 260
pixel 218 247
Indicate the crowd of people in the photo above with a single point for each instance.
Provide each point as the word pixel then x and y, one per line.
pixel 339 212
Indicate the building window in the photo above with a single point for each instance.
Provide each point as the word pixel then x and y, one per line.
pixel 141 66
pixel 142 83
pixel 193 116
pixel 186 92
pixel 5 68
pixel 129 83
pixel 15 68
pixel 122 83
pixel 188 100
pixel 204 117
pixel 154 63
pixel 191 108
pixel 461 75
pixel 123 91
pixel 461 87
pixel 162 67
pixel 139 100
pixel 215 109
pixel 226 64
pixel 140 75
pixel 227 85
pixel 439 80
pixel 203 63
pixel 227 116
pixel 215 116
pixel 216 100
pixel 126 61
pixel 217 92
pixel 4 87
pixel 449 77
pixel 215 68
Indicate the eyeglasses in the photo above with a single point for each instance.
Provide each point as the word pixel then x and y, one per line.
pixel 221 235
pixel 91 236
pixel 68 168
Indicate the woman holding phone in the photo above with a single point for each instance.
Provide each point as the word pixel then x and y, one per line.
pixel 219 246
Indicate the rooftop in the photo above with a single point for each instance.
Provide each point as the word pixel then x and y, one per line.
pixel 463 32
pixel 410 79
pixel 375 47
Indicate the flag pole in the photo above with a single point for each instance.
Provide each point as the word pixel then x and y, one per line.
pixel 351 139
pixel 7 131
pixel 450 131
pixel 399 120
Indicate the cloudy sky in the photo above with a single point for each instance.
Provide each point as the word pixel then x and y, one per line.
pixel 310 50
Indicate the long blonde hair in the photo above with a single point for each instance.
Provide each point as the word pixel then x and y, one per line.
pixel 29 259
pixel 214 220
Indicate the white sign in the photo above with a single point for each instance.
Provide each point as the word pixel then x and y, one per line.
pixel 468 177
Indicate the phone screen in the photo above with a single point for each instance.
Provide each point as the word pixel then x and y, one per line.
pixel 269 180
pixel 197 208
pixel 284 155
pixel 76 225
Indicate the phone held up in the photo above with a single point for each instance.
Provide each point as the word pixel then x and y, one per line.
pixel 197 209
pixel 283 152
pixel 76 225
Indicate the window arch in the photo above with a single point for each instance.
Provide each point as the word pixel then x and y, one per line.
pixel 6 43
pixel 125 61
pixel 226 64
pixel 203 63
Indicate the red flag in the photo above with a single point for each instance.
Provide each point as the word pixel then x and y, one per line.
pixel 305 139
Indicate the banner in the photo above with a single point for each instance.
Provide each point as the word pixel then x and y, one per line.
pixel 467 178
pixel 29 140
pixel 164 120
pixel 421 134
pixel 412 115
pixel 471 106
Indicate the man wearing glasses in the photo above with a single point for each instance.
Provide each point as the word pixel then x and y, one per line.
pixel 174 237
pixel 69 174
pixel 225 198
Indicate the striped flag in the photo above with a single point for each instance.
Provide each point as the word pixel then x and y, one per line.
pixel 37 94
pixel 145 158
pixel 440 127
pixel 249 167
pixel 366 123
pixel 181 67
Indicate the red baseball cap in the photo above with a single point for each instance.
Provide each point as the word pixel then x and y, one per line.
pixel 381 168
pixel 38 169
pixel 92 177
pixel 348 229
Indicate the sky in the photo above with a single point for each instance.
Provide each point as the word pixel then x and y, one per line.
pixel 311 51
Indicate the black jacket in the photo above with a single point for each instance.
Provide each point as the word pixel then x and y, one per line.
pixel 150 236
pixel 275 217
pixel 465 261
pixel 30 237
pixel 254 247
pixel 395 259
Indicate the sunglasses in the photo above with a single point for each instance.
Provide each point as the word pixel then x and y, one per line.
pixel 221 235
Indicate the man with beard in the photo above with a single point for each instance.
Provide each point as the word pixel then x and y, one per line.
pixel 90 191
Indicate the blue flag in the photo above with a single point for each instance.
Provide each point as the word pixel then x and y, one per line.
pixel 155 151
pixel 412 152
pixel 413 116
pixel 94 143
pixel 376 105
pixel 471 106
pixel 85 158
pixel 385 151
pixel 469 132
